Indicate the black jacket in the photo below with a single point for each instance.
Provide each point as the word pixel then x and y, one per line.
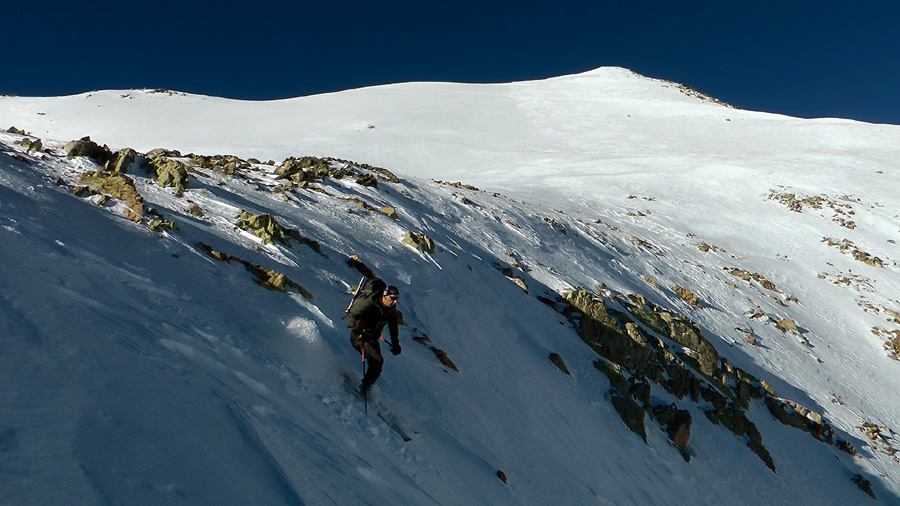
pixel 368 318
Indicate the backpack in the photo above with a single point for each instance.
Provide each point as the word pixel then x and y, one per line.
pixel 365 290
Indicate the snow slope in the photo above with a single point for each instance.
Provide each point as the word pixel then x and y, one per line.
pixel 139 370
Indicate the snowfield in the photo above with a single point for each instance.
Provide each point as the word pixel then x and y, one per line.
pixel 138 369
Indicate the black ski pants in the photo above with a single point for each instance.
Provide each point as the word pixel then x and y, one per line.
pixel 372 349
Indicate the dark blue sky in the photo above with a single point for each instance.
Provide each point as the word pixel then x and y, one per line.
pixel 802 58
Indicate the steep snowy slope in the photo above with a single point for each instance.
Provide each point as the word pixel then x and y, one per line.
pixel 141 370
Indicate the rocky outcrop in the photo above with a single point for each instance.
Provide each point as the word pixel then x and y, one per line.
pixel 367 180
pixel 86 147
pixel 265 277
pixel 864 485
pixel 689 296
pixel 170 173
pixel 120 161
pixel 677 424
pixel 120 187
pixel 444 358
pixel 307 168
pixel 264 226
pixel 420 242
pixel 390 212
pixel 559 363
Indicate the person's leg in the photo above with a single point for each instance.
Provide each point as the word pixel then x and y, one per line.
pixel 375 363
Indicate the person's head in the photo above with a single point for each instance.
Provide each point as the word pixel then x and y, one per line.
pixel 390 296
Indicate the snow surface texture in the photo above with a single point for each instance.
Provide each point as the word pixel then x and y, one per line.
pixel 138 370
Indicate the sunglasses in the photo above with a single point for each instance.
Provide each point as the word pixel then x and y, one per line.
pixel 394 298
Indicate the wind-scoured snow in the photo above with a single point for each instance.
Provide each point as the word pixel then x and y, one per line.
pixel 138 370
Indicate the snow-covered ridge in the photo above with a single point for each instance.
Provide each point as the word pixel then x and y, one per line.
pixel 156 324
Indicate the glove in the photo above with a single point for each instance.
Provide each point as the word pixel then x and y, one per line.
pixel 395 348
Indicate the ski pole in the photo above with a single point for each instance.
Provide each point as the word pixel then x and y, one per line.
pixel 365 392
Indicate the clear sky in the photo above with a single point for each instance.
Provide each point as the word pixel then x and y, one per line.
pixel 801 58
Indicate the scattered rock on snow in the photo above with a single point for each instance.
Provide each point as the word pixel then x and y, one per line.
pixel 420 242
pixel 559 363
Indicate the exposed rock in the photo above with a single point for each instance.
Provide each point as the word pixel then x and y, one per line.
pixel 121 160
pixel 266 278
pixel 598 328
pixel 313 244
pixel 864 485
pixel 614 373
pixel 162 152
pixel 169 173
pixel 794 415
pixel 86 147
pixel 631 413
pixel 367 180
pixel 559 363
pixel 31 145
pixel 306 168
pixel 120 187
pixel 195 210
pixel 158 225
pixel 846 447
pixel 420 242
pixel 687 334
pixel 787 326
pixel 549 302
pixel 511 274
pixel 390 212
pixel 689 296
pixel 263 226
pixel 442 356
pixel 677 423
pixel 502 476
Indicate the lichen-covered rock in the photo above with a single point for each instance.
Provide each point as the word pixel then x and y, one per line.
pixel 195 210
pixel 306 168
pixel 266 278
pixel 598 328
pixel 121 160
pixel 170 173
pixel 118 186
pixel 86 147
pixel 264 226
pixel 787 326
pixel 646 316
pixel 367 180
pixel 690 336
pixel 162 152
pixel 159 225
pixel 689 296
pixel 420 242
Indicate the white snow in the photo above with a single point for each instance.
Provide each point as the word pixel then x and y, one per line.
pixel 137 370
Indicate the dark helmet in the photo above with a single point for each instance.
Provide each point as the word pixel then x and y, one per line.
pixel 391 291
